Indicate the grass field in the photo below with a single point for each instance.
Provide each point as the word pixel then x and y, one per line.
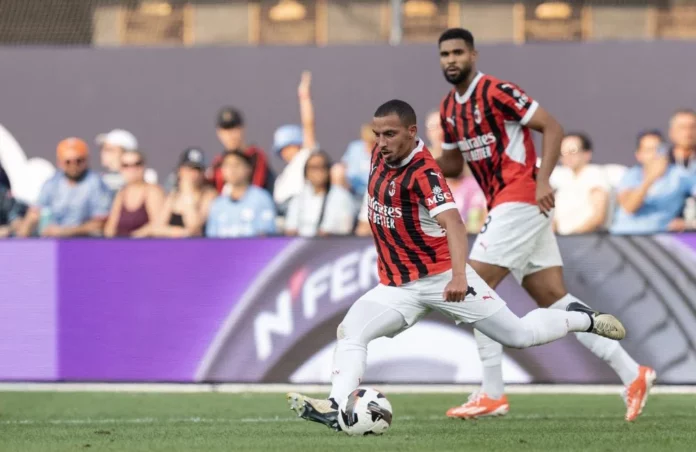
pixel 49 421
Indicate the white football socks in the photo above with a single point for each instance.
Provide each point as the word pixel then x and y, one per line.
pixel 609 350
pixel 491 354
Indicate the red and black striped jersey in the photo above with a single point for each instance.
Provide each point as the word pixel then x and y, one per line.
pixel 488 125
pixel 403 202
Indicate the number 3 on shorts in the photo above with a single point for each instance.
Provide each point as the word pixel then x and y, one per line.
pixel 485 225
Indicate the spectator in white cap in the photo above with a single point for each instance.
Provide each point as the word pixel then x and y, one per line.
pixel 112 146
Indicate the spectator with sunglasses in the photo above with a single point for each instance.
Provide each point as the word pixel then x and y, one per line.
pixel 320 208
pixel 137 203
pixel 74 202
pixel 186 208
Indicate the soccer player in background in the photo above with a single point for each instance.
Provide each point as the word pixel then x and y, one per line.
pixel 422 252
pixel 488 123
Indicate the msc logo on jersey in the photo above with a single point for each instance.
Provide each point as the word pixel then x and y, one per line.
pixel 478 147
pixel 392 188
pixel 438 197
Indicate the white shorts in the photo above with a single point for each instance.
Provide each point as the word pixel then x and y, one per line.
pixel 417 298
pixel 518 237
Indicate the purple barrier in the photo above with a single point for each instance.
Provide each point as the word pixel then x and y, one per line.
pixel 266 310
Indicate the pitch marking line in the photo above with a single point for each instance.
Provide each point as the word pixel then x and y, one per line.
pixel 278 419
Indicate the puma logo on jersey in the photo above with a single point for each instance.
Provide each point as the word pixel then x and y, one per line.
pixel 436 174
pixel 452 121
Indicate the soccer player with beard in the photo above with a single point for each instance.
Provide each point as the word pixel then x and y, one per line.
pixel 421 255
pixel 487 123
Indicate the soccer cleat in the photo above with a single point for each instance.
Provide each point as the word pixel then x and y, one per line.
pixel 316 410
pixel 480 405
pixel 602 324
pixel 636 394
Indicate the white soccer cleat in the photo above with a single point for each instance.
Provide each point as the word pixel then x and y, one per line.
pixel 605 325
pixel 323 411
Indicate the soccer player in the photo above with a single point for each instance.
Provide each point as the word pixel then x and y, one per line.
pixel 487 123
pixel 421 255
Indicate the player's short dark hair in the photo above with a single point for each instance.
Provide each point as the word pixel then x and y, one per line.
pixel 457 33
pixel 399 108
pixel 648 133
pixel 585 141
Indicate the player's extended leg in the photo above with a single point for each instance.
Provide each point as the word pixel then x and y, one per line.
pixel 547 288
pixel 366 320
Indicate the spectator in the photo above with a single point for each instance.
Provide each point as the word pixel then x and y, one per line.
pixel 353 170
pixel 137 204
pixel 112 146
pixel 247 210
pixel 363 228
pixel 294 144
pixel 74 202
pixel 582 189
pixel 434 132
pixel 11 209
pixel 320 208
pixel 652 193
pixel 186 207
pixel 470 200
pixel 682 134
pixel 231 133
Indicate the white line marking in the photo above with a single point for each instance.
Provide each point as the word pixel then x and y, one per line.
pixel 290 418
pixel 283 388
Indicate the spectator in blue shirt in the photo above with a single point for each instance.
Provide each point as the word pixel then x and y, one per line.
pixel 247 210
pixel 74 202
pixel 651 195
pixel 682 134
pixel 356 162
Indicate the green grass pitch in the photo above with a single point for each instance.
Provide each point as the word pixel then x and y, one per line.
pixel 48 421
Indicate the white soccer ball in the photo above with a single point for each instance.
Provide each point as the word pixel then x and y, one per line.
pixel 365 412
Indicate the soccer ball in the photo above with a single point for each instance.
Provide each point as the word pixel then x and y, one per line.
pixel 365 412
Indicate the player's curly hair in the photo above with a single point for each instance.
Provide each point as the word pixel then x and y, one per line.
pixel 457 33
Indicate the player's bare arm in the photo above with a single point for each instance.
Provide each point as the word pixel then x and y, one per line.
pixel 458 244
pixel 553 133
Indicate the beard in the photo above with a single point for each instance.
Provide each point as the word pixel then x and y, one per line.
pixel 76 177
pixel 459 78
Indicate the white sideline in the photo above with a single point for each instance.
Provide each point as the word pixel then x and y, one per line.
pixel 282 388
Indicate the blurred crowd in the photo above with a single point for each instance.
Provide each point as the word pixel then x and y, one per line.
pixel 237 194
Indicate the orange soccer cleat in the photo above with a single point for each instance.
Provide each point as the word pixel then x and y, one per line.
pixel 636 394
pixel 480 405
